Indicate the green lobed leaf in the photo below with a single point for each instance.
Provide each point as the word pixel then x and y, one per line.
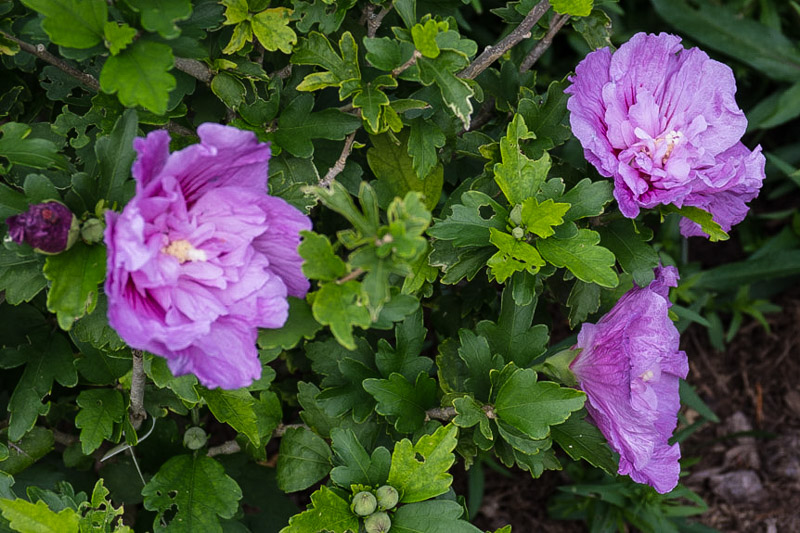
pixel 338 306
pixel 587 199
pixel 18 149
pixel 539 218
pixel 372 100
pixel 512 336
pixel 583 300
pixel 514 255
pixel 518 176
pixel 319 260
pixel 72 23
pixel 184 386
pixel 21 277
pixel 575 8
pixel 196 489
pixel 546 116
pixel 596 29
pixel 297 126
pixel 117 36
pixel 140 75
pixel 271 28
pixel 341 69
pixel 455 92
pixel 581 255
pixel 471 413
pixel 47 360
pixel 418 480
pixel 393 166
pixel 466 226
pixel 328 512
pixel 354 466
pixel 582 440
pixel 437 516
pixel 424 36
pixel 100 409
pixel 303 459
pixel 629 245
pixel 38 518
pixel 26 451
pixel 533 406
pixel 397 397
pixel 74 276
pixel 405 358
pixel 235 408
pixel 161 15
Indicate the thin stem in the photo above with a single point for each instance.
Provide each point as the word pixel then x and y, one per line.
pixel 399 70
pixel 441 413
pixel 492 53
pixel 338 167
pixel 373 20
pixel 194 68
pixel 281 429
pixel 351 276
pixel 41 52
pixel 556 23
pixel 138 380
pixel 226 448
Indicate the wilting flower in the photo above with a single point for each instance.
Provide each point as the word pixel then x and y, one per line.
pixel 48 227
pixel 663 122
pixel 202 256
pixel 629 367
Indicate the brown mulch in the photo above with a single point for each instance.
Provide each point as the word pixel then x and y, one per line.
pixel 748 468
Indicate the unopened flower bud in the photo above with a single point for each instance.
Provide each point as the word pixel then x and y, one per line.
pixel 387 497
pixel 516 215
pixel 195 438
pixel 92 230
pixel 49 227
pixel 518 233
pixel 364 503
pixel 378 523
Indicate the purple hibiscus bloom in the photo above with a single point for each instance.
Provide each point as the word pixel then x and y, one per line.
pixel 629 366
pixel 49 227
pixel 202 256
pixel 663 122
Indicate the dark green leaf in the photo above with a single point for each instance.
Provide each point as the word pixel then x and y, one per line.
pixel 37 443
pixel 533 406
pixel 100 410
pixel 405 358
pixel 354 464
pixel 397 397
pixel 297 126
pixel 196 489
pixel 21 277
pixel 303 459
pixel 319 260
pixel 115 156
pixel 161 15
pixel 582 440
pixel 140 75
pixel 437 516
pixel 630 247
pixel 581 255
pixel 72 23
pixel 583 300
pixel 74 276
pixel 236 408
pixel 337 306
pixel 18 149
pixel 467 225
pixel 587 199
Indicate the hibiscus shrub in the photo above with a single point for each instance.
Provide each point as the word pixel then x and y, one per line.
pixel 344 250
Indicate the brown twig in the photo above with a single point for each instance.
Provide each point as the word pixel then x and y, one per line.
pixel 138 379
pixel 174 127
pixel 226 448
pixel 413 59
pixel 194 68
pixel 41 52
pixel 282 73
pixel 351 276
pixel 492 53
pixel 338 167
pixel 440 413
pixel 556 23
pixel 374 21
pixel 281 429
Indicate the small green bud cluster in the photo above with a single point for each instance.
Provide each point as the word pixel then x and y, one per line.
pixel 378 523
pixel 373 508
pixel 364 503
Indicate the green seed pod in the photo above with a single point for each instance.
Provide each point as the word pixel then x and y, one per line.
pixel 518 233
pixel 378 523
pixel 194 438
pixel 364 503
pixel 387 497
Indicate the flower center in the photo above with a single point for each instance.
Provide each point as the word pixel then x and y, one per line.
pixel 672 138
pixel 183 251
pixel 647 376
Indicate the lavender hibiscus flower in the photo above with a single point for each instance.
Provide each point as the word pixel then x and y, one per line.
pixel 202 256
pixel 629 366
pixel 663 122
pixel 48 227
